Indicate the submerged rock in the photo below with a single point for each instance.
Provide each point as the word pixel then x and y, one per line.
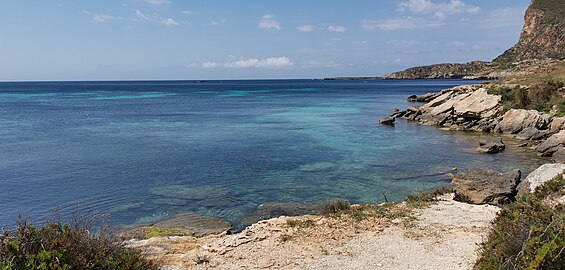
pixel 491 146
pixel 194 223
pixel 539 176
pixel 480 186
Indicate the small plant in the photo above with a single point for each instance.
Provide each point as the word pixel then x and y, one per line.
pixel 301 224
pixel 527 234
pixel 285 238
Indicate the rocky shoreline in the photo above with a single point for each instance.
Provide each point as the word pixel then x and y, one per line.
pixel 472 108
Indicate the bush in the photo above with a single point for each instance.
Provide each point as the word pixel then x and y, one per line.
pixel 55 245
pixel 527 234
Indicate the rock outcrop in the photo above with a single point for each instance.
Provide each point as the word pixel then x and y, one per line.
pixel 541 175
pixel 542 34
pixel 479 186
pixel 461 108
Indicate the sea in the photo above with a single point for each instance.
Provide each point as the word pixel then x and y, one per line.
pixel 143 151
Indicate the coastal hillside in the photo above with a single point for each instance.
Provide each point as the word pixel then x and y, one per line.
pixel 441 71
pixel 541 44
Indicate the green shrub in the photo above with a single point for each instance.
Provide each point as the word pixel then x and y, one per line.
pixel 527 234
pixel 55 245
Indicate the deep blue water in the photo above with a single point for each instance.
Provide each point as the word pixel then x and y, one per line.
pixel 142 151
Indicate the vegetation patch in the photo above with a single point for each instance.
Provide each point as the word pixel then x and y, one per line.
pixel 528 234
pixel 541 96
pixel 55 245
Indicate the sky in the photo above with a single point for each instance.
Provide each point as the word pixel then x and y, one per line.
pixel 246 39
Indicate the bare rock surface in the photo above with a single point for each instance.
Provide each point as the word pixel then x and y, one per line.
pixel 480 186
pixel 515 120
pixel 443 236
pixel 539 176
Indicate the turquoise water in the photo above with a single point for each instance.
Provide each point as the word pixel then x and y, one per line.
pixel 143 151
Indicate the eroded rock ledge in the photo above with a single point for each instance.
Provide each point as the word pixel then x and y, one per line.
pixel 472 108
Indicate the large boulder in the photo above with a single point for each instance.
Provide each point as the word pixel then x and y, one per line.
pixel 541 175
pixel 515 120
pixel 479 105
pixel 552 144
pixel 480 186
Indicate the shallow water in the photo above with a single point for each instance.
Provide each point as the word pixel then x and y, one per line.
pixel 143 151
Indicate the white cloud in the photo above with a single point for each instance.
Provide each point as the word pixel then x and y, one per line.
pixel 402 42
pixel 272 62
pixel 142 16
pixel 102 18
pixel 361 42
pixel 338 29
pixel 155 18
pixel 210 65
pixel 306 28
pixel 169 22
pixel 268 22
pixel 456 43
pixel 158 2
pixel 187 12
pixel 218 22
pixel 439 10
pixel 408 23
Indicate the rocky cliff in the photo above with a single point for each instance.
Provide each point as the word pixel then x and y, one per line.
pixel 442 71
pixel 542 40
pixel 543 34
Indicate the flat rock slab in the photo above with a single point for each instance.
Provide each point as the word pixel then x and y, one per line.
pixel 480 186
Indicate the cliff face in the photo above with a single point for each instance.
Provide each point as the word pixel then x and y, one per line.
pixel 442 71
pixel 543 34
